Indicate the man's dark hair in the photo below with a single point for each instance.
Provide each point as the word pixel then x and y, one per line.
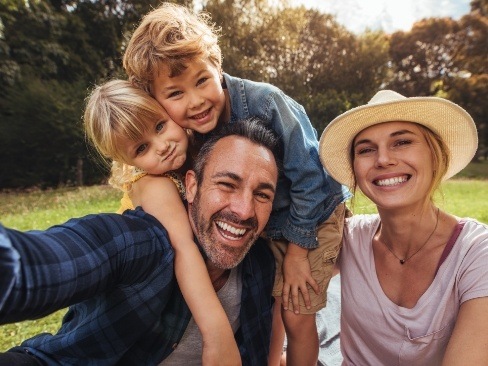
pixel 252 128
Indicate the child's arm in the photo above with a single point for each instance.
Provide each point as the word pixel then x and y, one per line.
pixel 296 275
pixel 159 197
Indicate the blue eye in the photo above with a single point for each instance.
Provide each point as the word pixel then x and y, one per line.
pixel 159 126
pixel 141 149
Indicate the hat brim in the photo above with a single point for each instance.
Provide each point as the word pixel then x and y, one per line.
pixel 451 122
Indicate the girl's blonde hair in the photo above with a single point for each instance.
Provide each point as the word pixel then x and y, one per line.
pixel 117 110
pixel 170 35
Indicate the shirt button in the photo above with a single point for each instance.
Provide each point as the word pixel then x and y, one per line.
pixel 174 346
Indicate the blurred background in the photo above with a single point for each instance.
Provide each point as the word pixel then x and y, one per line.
pixel 328 55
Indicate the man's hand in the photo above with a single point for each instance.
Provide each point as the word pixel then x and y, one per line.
pixel 296 275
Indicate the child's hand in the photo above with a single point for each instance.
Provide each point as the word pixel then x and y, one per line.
pixel 296 275
pixel 221 350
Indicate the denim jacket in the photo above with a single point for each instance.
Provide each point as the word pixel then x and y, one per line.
pixel 306 194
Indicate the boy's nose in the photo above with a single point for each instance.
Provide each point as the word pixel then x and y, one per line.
pixel 196 100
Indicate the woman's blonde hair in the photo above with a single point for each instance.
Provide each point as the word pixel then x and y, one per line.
pixel 440 158
pixel 117 110
pixel 170 35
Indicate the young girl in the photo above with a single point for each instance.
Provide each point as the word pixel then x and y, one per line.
pixel 147 149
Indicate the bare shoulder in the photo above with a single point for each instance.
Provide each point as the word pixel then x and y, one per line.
pixel 153 188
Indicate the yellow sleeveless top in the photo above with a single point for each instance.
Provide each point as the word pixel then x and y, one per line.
pixel 126 202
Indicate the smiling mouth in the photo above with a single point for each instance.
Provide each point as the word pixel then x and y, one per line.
pixel 392 181
pixel 201 115
pixel 230 232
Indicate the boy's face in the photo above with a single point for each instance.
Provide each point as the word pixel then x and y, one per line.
pixel 195 98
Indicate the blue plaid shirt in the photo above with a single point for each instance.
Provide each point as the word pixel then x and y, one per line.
pixel 118 271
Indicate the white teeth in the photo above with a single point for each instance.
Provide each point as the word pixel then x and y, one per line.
pixel 231 229
pixel 200 115
pixel 391 181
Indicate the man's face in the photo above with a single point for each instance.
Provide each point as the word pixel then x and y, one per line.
pixel 232 204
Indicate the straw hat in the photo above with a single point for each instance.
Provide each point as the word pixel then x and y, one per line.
pixel 453 124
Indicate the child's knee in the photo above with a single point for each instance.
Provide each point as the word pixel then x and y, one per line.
pixel 299 325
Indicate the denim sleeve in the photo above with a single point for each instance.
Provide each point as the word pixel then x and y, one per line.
pixel 44 271
pixel 310 192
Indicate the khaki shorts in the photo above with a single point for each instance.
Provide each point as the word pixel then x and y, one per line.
pixel 322 260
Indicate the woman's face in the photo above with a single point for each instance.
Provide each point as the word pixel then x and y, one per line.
pixel 392 164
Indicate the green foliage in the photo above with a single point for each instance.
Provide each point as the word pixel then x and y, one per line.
pixel 41 133
pixel 304 52
pixel 52 51
pixel 446 58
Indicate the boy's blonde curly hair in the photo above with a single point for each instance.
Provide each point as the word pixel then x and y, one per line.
pixel 117 110
pixel 170 35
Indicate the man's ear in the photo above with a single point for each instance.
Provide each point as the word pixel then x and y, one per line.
pixel 191 186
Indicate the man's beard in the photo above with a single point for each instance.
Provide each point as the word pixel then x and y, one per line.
pixel 220 254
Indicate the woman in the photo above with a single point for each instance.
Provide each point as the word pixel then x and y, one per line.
pixel 414 278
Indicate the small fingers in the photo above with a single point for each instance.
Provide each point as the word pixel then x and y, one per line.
pixel 306 298
pixel 285 297
pixel 295 293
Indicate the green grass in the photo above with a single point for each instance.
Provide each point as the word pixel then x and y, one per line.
pixel 41 209
pixel 463 196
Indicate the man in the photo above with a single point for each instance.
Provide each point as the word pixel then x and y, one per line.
pixel 118 269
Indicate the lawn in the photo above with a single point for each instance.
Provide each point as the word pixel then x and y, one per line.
pixel 466 195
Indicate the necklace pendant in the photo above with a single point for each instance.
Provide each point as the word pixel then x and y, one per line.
pixel 402 261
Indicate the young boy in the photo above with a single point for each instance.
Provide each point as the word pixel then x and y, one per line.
pixel 174 55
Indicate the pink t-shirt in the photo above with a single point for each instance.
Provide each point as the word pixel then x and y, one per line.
pixel 376 331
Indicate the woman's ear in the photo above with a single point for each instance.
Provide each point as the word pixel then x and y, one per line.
pixel 191 186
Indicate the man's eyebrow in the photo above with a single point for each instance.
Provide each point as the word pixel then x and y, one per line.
pixel 269 186
pixel 227 174
pixel 238 178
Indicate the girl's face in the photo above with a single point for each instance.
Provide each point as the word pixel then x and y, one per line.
pixel 161 148
pixel 195 98
pixel 393 164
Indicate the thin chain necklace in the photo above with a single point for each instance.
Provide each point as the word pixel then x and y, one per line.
pixel 404 260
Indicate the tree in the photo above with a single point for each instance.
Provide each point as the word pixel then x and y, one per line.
pixel 40 135
pixel 469 87
pixel 304 52
pixel 51 53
